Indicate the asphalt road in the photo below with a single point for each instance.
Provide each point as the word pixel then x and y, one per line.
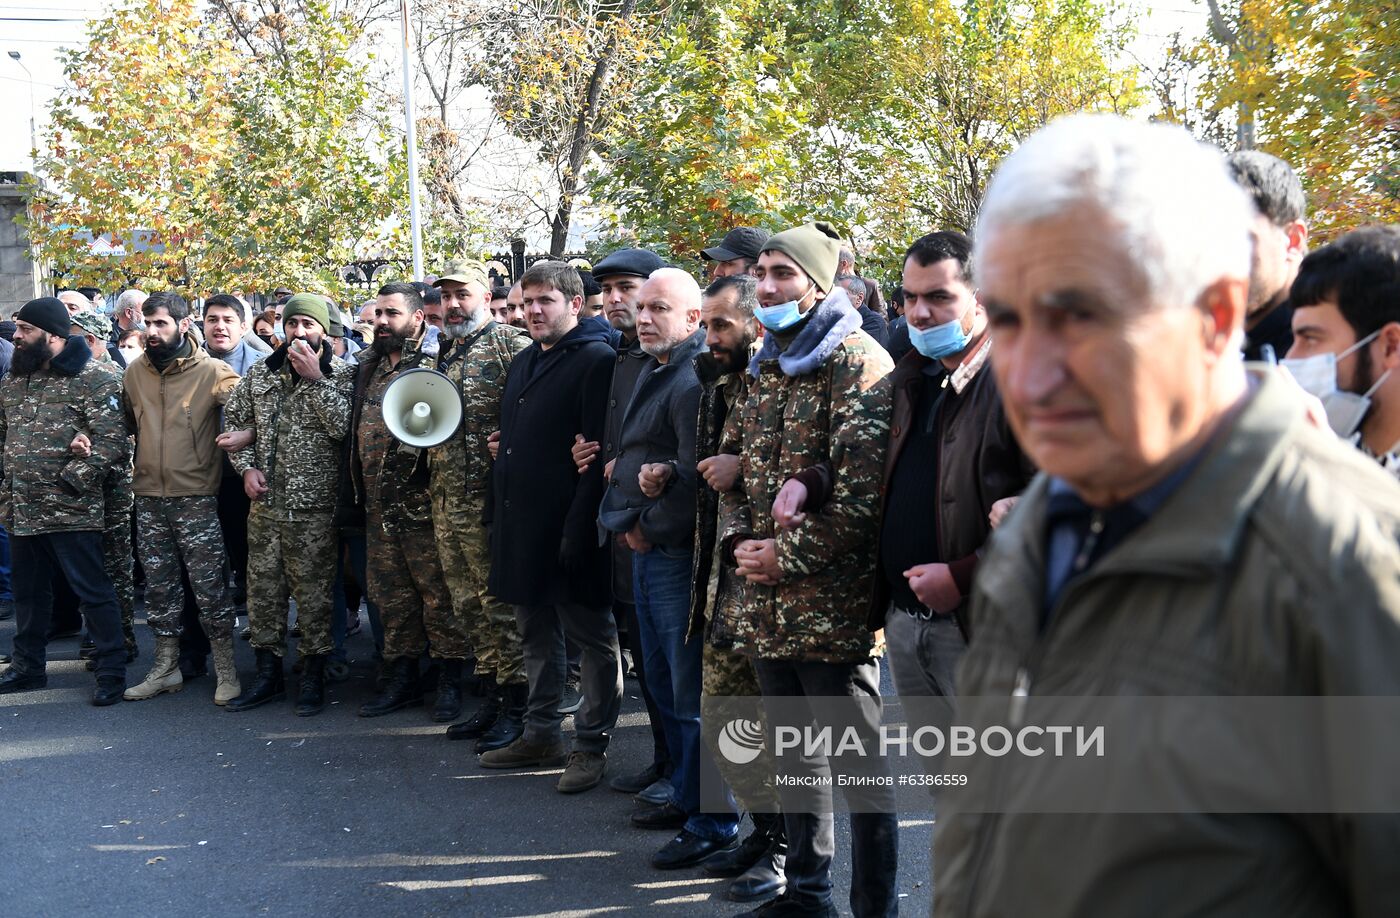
pixel 174 807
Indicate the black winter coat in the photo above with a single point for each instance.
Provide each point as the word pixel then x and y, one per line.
pixel 542 517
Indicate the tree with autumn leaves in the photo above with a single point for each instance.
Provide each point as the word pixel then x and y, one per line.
pixel 241 170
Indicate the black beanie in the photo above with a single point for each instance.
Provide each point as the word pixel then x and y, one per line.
pixel 48 313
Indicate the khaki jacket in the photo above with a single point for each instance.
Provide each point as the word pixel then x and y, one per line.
pixel 1272 570
pixel 176 416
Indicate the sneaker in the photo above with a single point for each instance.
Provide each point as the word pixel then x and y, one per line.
pixel 573 698
pixel 584 772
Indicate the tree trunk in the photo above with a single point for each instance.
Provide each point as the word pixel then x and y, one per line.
pixel 582 140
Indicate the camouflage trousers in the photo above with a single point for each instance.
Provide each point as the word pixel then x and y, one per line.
pixel 728 674
pixel 175 529
pixel 296 559
pixel 405 581
pixel 117 556
pixel 466 560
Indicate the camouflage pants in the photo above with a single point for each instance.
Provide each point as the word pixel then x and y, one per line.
pixel 726 674
pixel 465 560
pixel 117 556
pixel 405 581
pixel 295 559
pixel 175 529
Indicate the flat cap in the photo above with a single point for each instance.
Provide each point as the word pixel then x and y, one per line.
pixel 636 262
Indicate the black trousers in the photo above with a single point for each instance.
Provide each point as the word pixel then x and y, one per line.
pixel 78 557
pixel 802 684
pixel 233 522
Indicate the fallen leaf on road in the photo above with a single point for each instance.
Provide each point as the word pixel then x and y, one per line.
pixel 154 860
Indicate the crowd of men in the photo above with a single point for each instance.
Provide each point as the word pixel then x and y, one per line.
pixel 1049 470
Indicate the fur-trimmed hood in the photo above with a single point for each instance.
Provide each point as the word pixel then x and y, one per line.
pixel 828 323
pixel 74 356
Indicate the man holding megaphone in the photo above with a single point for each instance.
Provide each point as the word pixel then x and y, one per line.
pixel 387 493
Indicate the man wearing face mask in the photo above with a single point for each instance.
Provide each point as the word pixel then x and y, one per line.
pixel 818 393
pixel 952 457
pixel 296 405
pixel 1346 338
pixel 476 356
pixel 174 398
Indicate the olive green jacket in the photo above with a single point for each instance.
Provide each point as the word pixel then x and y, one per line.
pixel 1272 570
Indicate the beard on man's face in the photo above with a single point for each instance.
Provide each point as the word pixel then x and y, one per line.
pixel 729 359
pixel 159 348
pixel 29 357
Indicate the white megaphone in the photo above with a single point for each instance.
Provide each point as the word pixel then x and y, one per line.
pixel 422 408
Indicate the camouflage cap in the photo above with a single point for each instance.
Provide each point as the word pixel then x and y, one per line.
pixel 94 324
pixel 464 272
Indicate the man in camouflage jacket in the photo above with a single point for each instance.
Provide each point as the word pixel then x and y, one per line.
pixel 387 493
pixel 296 404
pixel 817 393
pixel 117 497
pixel 51 499
pixel 476 359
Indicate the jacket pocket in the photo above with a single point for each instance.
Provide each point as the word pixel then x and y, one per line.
pixel 198 453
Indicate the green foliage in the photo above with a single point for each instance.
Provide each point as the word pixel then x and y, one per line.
pixel 886 118
pixel 1316 83
pixel 248 170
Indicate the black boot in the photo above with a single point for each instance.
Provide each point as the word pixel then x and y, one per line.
pixel 766 878
pixel 449 693
pixel 268 684
pixel 403 690
pixel 766 827
pixel 510 725
pixel 313 686
pixel 485 716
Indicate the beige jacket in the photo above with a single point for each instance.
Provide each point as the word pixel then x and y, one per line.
pixel 176 416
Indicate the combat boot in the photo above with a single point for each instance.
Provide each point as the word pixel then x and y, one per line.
pixel 267 685
pixel 228 687
pixel 485 716
pixel 403 690
pixel 449 694
pixel 510 726
pixel 164 675
pixel 313 686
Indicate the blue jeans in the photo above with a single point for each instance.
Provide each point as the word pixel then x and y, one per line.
pixel 5 592
pixel 661 586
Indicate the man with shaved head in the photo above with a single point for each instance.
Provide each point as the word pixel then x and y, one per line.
pixel 650 505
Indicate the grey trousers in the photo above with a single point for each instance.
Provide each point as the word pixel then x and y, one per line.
pixel 594 632
pixel 923 653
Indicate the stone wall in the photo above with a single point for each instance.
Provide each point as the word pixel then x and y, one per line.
pixel 19 276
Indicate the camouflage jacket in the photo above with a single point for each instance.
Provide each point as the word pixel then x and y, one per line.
pixel 461 467
pixel 43 486
pixel 824 398
pixel 298 429
pixel 387 479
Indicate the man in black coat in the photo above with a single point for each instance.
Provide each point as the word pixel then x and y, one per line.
pixel 545 556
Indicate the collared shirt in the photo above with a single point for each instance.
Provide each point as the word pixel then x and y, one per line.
pixel 1078 535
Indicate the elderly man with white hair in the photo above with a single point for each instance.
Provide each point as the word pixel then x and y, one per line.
pixel 650 503
pixel 1191 533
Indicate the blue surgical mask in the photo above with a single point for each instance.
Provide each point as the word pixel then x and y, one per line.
pixel 942 340
pixel 277 331
pixel 783 315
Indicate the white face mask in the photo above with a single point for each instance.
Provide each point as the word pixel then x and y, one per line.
pixel 129 354
pixel 1317 375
